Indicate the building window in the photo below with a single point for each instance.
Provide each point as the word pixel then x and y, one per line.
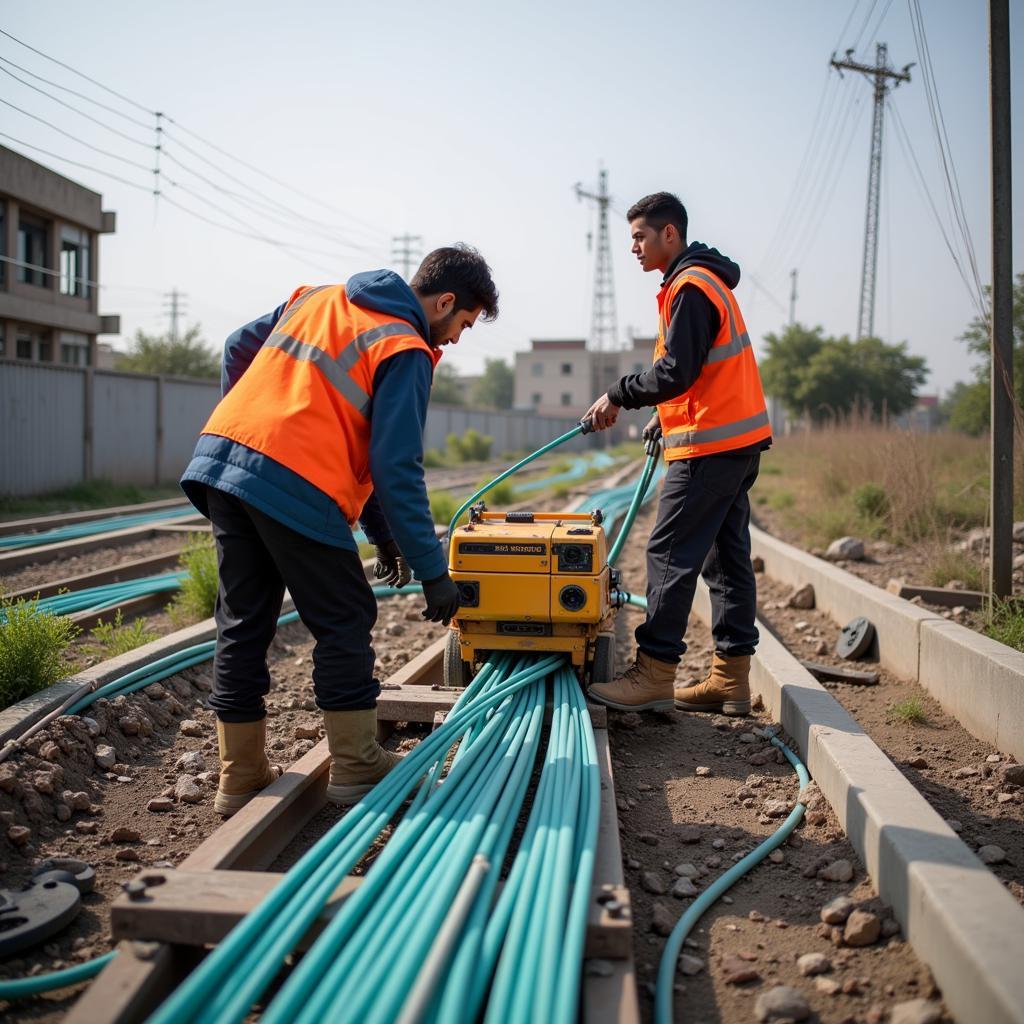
pixel 537 369
pixel 566 398
pixel 74 261
pixel 74 349
pixel 535 398
pixel 566 369
pixel 33 247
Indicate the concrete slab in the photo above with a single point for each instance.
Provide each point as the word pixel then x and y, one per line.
pixel 977 680
pixel 958 917
pixel 845 596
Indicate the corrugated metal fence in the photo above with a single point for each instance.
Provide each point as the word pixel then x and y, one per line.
pixel 60 425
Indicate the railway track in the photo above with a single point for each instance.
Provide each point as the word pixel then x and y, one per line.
pixel 855 778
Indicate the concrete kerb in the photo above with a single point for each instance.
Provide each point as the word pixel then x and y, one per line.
pixel 976 679
pixel 23 715
pixel 844 596
pixel 958 917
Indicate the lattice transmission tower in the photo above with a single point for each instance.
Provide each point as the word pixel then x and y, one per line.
pixel 604 328
pixel 880 74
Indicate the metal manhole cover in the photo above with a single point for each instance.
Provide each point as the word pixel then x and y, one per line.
pixel 855 639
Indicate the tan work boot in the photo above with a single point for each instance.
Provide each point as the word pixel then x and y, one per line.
pixel 725 689
pixel 358 761
pixel 244 768
pixel 645 686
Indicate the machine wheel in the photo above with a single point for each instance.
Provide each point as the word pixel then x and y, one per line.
pixel 456 671
pixel 603 669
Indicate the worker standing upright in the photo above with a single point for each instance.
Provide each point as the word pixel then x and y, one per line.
pixel 320 426
pixel 712 419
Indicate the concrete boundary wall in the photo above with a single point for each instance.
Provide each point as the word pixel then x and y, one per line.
pixel 60 425
pixel 960 920
pixel 979 681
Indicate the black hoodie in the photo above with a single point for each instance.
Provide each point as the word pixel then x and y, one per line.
pixel 693 324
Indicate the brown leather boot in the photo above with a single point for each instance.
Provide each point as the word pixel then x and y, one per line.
pixel 645 686
pixel 725 689
pixel 244 768
pixel 358 761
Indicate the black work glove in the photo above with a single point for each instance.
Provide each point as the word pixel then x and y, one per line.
pixel 442 597
pixel 652 432
pixel 391 568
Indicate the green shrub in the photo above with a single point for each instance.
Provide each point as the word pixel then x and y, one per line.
pixel 503 494
pixel 433 459
pixel 769 469
pixel 442 506
pixel 561 492
pixel 472 446
pixel 198 595
pixel 947 564
pixel 908 712
pixel 1004 621
pixel 33 649
pixel 782 500
pixel 113 638
pixel 871 501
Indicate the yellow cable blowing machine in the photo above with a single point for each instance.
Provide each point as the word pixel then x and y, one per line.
pixel 533 582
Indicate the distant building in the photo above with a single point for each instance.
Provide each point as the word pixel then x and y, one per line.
pixel 49 265
pixel 925 415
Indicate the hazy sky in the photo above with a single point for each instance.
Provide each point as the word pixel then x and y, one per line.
pixel 469 121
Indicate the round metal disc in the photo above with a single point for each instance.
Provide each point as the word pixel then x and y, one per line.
pixel 855 639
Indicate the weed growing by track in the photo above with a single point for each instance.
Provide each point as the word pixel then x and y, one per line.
pixel 87 495
pixel 33 649
pixel 198 595
pixel 442 506
pixel 1004 621
pixel 109 639
pixel 908 712
pixel 946 563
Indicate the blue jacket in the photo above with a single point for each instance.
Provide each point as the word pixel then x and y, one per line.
pixel 398 507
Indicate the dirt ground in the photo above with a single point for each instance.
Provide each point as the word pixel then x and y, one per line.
pixel 115 831
pixel 674 823
pixel 958 774
pixel 37 575
pixel 693 792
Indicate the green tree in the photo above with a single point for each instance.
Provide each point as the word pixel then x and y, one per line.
pixel 447 387
pixel 969 403
pixel 830 377
pixel 496 387
pixel 966 407
pixel 187 356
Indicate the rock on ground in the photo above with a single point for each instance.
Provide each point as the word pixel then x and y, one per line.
pixel 813 963
pixel 862 928
pixel 802 597
pixel 917 1011
pixel 838 910
pixel 845 549
pixel 782 1003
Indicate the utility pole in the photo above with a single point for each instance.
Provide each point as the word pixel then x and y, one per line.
pixel 406 250
pixel 604 329
pixel 1001 567
pixel 881 74
pixel 174 305
pixel 792 297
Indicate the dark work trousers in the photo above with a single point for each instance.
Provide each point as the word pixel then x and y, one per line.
pixel 703 526
pixel 258 557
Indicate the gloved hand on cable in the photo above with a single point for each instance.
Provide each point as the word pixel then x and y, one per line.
pixel 391 569
pixel 442 597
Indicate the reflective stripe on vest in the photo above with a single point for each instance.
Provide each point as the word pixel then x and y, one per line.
pixel 722 433
pixel 737 341
pixel 336 369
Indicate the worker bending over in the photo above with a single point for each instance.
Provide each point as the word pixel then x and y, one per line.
pixel 320 426
pixel 712 419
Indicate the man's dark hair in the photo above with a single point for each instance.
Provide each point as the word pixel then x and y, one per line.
pixel 462 270
pixel 659 209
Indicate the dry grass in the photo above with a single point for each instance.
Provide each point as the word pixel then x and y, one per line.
pixel 860 478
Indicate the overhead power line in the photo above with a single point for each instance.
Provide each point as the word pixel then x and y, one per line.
pixel 76 163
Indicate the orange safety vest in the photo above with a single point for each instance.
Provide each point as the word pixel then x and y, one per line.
pixel 724 409
pixel 304 400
